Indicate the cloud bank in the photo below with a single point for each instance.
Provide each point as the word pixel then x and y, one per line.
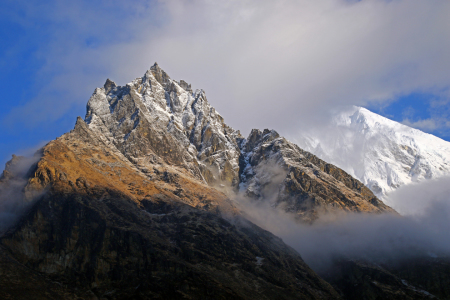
pixel 416 198
pixel 422 230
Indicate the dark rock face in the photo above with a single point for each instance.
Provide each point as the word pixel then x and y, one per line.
pixel 413 278
pixel 362 280
pixel 426 273
pixel 274 169
pixel 22 283
pixel 107 244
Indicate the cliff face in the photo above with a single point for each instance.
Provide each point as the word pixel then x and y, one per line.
pixel 155 119
pixel 276 170
pixel 103 228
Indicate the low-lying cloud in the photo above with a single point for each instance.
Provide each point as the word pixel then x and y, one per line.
pixel 12 198
pixel 387 238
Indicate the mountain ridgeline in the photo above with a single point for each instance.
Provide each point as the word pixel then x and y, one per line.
pixel 138 202
pixel 155 120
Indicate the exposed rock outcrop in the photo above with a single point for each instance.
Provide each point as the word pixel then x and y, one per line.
pixel 276 170
pixel 155 119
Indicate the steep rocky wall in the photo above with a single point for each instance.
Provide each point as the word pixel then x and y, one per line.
pixel 155 117
pixel 114 247
pixel 273 169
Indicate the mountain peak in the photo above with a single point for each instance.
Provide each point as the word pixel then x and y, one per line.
pixel 157 116
pixel 109 85
pixel 382 153
pixel 157 120
pixel 159 74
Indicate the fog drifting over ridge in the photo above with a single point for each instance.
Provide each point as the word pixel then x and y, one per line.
pixel 422 230
pixel 13 202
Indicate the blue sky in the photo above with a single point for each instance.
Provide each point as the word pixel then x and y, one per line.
pixel 262 63
pixel 424 111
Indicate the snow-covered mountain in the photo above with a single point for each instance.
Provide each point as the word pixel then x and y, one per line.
pixel 382 153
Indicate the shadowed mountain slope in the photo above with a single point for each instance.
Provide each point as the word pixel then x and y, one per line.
pixel 101 227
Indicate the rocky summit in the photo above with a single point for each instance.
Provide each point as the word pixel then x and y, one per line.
pixel 138 201
pixel 156 121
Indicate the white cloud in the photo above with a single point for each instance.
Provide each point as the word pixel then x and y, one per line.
pixel 423 124
pixel 414 199
pixel 276 64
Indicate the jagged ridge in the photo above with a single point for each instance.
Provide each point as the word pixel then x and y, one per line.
pixel 155 117
pixel 274 169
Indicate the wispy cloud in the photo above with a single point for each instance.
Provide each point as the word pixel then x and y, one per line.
pixel 425 124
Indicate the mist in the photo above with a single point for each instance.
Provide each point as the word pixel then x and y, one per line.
pixel 422 230
pixel 13 201
pixel 414 199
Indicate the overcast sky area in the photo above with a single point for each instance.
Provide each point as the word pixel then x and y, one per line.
pixel 263 64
